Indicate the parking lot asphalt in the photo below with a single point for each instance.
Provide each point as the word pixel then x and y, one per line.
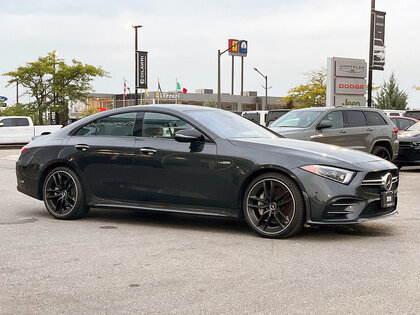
pixel 119 262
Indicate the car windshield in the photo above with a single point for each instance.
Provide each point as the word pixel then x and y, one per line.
pixel 297 118
pixel 415 127
pixel 229 125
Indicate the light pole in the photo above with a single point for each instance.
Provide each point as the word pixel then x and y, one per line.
pixel 370 75
pixel 219 98
pixel 136 27
pixel 266 89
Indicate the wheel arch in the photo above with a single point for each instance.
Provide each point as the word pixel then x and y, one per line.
pixel 271 169
pixel 383 143
pixel 49 167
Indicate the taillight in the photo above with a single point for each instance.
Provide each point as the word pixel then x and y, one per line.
pixel 396 130
pixel 23 149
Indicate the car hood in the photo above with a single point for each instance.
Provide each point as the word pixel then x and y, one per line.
pixel 282 130
pixel 409 136
pixel 296 153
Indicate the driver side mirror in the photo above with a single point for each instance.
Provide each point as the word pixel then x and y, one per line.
pixel 189 135
pixel 324 124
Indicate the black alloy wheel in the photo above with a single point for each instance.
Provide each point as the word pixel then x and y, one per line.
pixel 273 206
pixel 382 152
pixel 63 194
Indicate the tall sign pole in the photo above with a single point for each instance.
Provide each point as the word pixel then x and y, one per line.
pixel 370 75
pixel 233 73
pixel 136 83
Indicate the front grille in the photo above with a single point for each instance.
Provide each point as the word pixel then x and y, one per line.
pixel 372 183
pixel 374 209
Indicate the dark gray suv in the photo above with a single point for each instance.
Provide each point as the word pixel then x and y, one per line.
pixel 360 128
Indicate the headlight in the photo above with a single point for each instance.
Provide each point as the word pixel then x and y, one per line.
pixel 337 174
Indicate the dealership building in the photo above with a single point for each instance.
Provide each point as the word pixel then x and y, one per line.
pixel 202 97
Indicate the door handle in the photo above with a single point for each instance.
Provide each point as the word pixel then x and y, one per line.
pixel 369 129
pixel 148 151
pixel 343 131
pixel 82 147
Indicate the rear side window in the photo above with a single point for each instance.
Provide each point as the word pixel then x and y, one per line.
pixel 355 118
pixel 374 119
pixel 336 119
pixel 116 125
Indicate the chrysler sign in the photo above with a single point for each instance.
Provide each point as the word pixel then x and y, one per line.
pixel 350 68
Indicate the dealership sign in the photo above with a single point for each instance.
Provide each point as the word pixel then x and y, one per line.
pixel 3 99
pixel 346 82
pixel 141 69
pixel 238 47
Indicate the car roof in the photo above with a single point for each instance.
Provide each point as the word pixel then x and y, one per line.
pixel 403 117
pixel 322 109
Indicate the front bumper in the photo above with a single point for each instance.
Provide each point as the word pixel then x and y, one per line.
pixel 331 202
pixel 408 154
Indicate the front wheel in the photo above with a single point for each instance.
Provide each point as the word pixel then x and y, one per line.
pixel 273 206
pixel 63 194
pixel 382 152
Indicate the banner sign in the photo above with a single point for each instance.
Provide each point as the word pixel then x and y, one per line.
pixel 379 30
pixel 3 99
pixel 141 69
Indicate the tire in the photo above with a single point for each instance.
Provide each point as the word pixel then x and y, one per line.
pixel 382 152
pixel 273 206
pixel 63 194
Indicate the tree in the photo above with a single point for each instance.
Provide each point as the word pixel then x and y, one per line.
pixel 389 95
pixel 53 84
pixel 20 110
pixel 312 93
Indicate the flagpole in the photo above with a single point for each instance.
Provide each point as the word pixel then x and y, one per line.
pixel 158 92
pixel 176 89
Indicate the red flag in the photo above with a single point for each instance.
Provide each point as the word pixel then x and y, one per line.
pixel 184 90
pixel 125 89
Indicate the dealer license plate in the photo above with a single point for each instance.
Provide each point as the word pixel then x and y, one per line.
pixel 387 199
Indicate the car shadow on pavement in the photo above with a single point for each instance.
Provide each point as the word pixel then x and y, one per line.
pixel 227 225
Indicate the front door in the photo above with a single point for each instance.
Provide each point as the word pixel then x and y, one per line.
pixel 336 134
pixel 172 173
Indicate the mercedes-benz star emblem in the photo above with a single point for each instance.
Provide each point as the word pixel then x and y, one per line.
pixel 387 181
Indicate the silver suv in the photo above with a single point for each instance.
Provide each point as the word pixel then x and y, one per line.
pixel 360 128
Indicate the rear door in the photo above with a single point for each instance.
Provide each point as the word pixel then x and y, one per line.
pixel 103 152
pixel 358 134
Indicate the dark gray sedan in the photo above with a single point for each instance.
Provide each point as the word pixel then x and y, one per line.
pixel 198 160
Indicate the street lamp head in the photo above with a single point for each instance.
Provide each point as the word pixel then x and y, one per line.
pixel 136 26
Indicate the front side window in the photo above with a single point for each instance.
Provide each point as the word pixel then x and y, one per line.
pixel 415 127
pixel 355 118
pixel 336 119
pixel 297 118
pixel 120 125
pixel 157 125
pixel 7 122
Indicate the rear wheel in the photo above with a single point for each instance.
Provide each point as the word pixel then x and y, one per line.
pixel 63 194
pixel 273 206
pixel 382 152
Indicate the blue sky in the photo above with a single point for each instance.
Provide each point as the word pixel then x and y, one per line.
pixel 286 39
